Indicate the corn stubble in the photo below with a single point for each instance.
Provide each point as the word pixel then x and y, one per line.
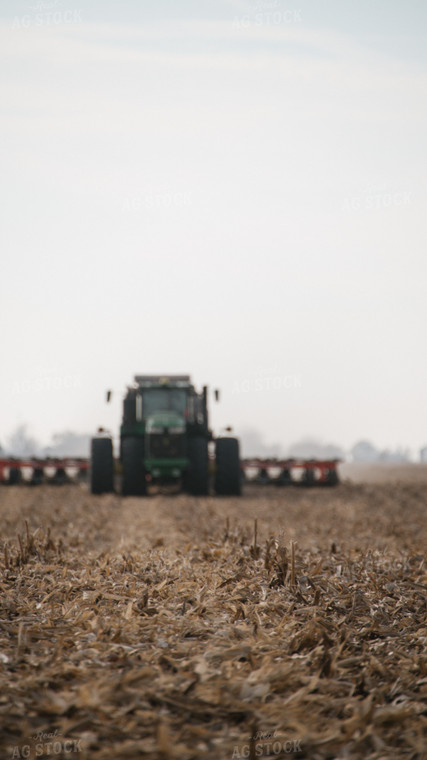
pixel 178 627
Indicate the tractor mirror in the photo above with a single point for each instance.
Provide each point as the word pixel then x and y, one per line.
pixel 108 396
pixel 216 392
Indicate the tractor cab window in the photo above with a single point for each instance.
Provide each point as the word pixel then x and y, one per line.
pixel 164 400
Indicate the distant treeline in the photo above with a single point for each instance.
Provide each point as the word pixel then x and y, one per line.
pixel 68 443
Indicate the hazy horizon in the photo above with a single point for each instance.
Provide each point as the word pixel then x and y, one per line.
pixel 68 443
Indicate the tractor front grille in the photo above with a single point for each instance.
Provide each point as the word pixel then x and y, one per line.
pixel 166 446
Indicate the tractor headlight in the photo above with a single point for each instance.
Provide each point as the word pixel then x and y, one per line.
pixel 156 430
pixel 176 430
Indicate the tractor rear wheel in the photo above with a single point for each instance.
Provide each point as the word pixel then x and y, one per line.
pixel 196 480
pixel 133 470
pixel 227 472
pixel 101 466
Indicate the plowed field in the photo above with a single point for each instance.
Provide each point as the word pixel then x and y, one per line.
pixel 286 623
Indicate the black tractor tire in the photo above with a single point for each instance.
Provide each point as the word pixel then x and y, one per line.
pixel 228 481
pixel 134 482
pixel 196 479
pixel 101 466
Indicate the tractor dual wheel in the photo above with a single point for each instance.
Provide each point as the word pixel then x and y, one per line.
pixel 228 479
pixel 101 466
pixel 196 479
pixel 133 471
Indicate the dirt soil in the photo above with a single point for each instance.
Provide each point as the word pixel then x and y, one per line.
pixel 286 623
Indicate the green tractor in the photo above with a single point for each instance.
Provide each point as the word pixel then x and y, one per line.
pixel 164 438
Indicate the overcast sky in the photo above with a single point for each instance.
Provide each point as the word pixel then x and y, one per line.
pixel 234 190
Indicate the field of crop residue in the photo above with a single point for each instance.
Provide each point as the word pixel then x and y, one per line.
pixel 287 623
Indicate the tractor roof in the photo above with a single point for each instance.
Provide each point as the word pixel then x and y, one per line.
pixel 163 381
